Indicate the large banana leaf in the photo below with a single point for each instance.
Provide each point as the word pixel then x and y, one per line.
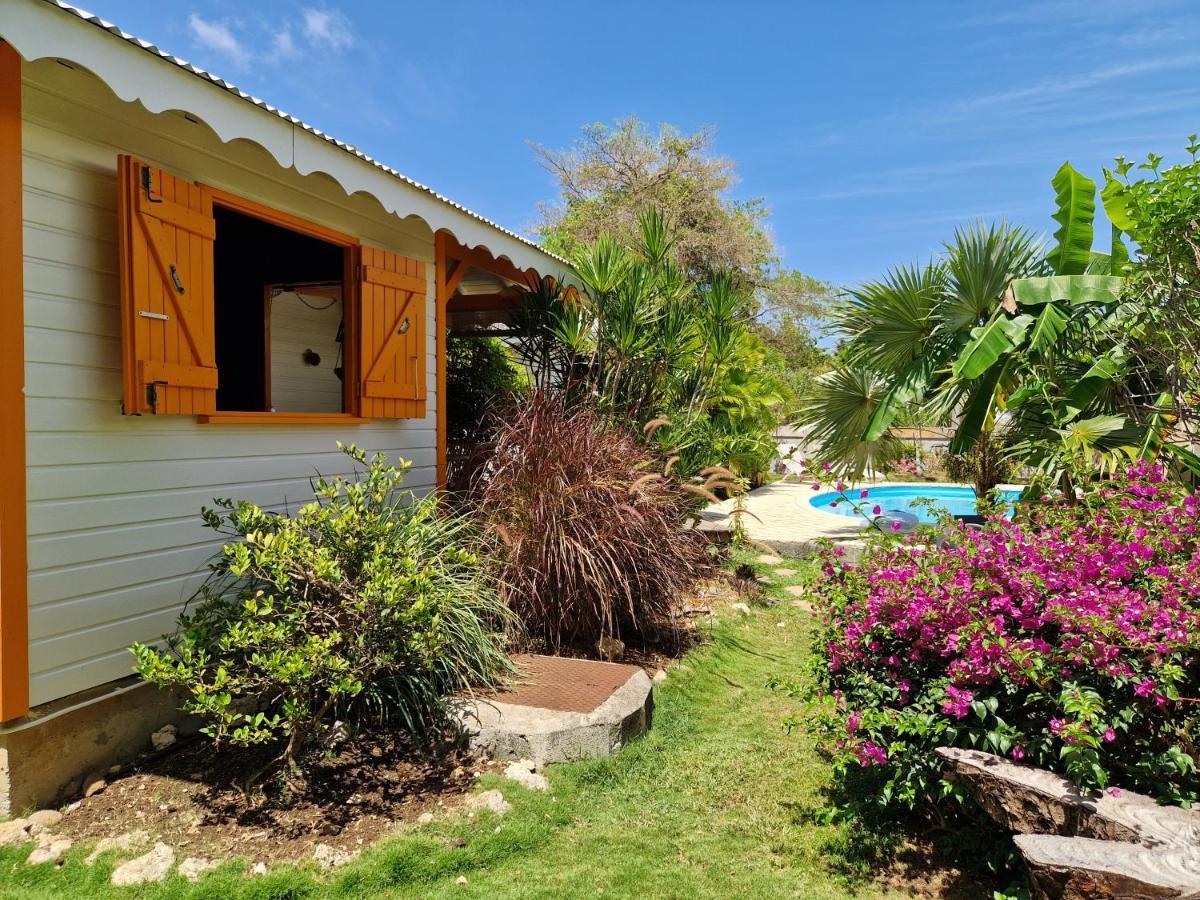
pixel 1116 203
pixel 1074 289
pixel 988 343
pixel 980 403
pixel 1051 322
pixel 1075 195
pixel 1108 368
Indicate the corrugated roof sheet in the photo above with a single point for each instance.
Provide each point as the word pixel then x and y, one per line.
pixel 267 107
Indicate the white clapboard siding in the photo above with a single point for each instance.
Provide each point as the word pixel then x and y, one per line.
pixel 116 546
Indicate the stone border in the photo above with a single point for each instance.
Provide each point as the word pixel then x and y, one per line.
pixel 509 731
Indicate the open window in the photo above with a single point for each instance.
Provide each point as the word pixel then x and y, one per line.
pixel 236 312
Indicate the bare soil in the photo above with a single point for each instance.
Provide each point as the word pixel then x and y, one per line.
pixel 190 798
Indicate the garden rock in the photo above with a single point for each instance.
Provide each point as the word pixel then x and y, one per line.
pixel 14 832
pixel 50 851
pixel 1022 799
pixel 44 820
pixel 522 773
pixel 768 559
pixel 1075 868
pixel 1034 801
pixel 130 840
pixel 493 800
pixel 610 648
pixel 259 868
pixel 742 608
pixel 164 737
pixel 659 677
pixel 195 866
pixel 151 866
pixel 93 784
pixel 329 857
pixel 425 818
pixel 785 573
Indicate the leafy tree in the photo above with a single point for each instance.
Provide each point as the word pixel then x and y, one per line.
pixel 1161 213
pixel 613 173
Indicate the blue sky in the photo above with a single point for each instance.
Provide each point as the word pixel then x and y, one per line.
pixel 871 129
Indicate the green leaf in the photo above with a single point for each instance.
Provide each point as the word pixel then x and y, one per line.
pixel 1077 290
pixel 907 388
pixel 1107 369
pixel 1119 256
pixel 1115 198
pixel 1089 432
pixel 1049 325
pixel 988 343
pixel 975 412
pixel 1075 195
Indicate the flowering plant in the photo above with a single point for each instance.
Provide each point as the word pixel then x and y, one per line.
pixel 1068 638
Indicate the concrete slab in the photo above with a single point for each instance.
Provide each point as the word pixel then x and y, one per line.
pixel 559 710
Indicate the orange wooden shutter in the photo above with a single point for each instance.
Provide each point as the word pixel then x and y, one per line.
pixel 392 293
pixel 166 246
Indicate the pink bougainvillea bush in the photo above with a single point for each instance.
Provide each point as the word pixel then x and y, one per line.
pixel 1068 638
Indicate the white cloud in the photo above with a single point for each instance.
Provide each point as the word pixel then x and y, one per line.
pixel 284 45
pixel 328 28
pixel 218 37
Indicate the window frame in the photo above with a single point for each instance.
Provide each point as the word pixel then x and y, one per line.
pixel 351 409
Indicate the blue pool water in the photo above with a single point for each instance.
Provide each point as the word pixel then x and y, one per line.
pixel 956 500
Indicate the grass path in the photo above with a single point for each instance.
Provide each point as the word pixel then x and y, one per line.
pixel 708 805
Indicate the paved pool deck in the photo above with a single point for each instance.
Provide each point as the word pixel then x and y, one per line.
pixel 782 518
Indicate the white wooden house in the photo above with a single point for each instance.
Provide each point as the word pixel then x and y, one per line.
pixel 199 295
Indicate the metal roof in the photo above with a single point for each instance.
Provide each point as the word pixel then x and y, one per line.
pixel 267 107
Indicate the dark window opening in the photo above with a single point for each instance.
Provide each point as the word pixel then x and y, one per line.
pixel 279 322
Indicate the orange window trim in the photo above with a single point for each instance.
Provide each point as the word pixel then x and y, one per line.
pixel 280 418
pixel 14 565
pixel 350 304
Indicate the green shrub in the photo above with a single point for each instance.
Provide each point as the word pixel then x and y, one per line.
pixel 364 603
pixel 480 373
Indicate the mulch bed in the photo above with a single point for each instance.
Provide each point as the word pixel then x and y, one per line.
pixel 190 799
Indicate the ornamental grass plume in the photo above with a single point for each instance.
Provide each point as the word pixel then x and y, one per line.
pixel 588 540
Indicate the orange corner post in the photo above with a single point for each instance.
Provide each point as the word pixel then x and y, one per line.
pixel 14 570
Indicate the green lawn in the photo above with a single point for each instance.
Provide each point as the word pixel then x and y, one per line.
pixel 710 804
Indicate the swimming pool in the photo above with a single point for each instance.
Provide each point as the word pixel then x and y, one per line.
pixel 957 499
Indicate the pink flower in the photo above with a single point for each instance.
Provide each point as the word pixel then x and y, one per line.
pixel 896 526
pixel 1017 753
pixel 959 702
pixel 1110 735
pixel 853 721
pixel 871 754
pixel 1144 688
pixel 862 495
pixel 877 510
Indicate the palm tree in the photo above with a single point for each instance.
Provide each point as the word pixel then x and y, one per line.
pixel 902 336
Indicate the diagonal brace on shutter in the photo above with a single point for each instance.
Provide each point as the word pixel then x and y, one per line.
pixel 164 258
pixel 372 385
